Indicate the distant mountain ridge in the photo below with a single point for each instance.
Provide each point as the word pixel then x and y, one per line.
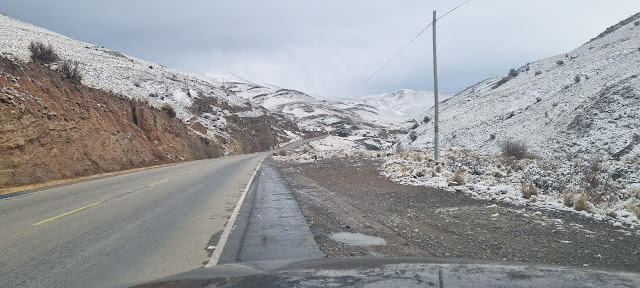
pixel 394 107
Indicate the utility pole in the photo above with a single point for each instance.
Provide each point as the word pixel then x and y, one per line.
pixel 435 90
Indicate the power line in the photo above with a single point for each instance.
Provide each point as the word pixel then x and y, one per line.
pixel 404 47
pixel 445 14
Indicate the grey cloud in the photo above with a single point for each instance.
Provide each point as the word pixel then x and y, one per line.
pixel 328 47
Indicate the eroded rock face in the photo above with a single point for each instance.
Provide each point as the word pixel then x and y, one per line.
pixel 51 128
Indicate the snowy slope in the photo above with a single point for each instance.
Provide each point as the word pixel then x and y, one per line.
pixel 195 98
pixel 394 107
pixel 309 112
pixel 581 103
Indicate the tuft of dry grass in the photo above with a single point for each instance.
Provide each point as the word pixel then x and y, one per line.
pixel 404 169
pixel 282 153
pixel 528 190
pixel 458 177
pixel 635 191
pixel 635 209
pixel 568 198
pixel 438 168
pixel 582 204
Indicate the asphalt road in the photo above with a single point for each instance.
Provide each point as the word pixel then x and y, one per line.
pixel 123 229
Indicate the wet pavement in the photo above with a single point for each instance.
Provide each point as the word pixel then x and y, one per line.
pixel 270 225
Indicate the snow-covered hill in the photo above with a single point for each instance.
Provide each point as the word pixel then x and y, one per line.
pixel 195 98
pixel 583 103
pixel 394 107
pixel 309 112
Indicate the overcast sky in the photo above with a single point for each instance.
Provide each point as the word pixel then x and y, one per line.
pixel 327 47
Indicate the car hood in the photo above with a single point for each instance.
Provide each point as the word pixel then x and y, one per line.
pixel 394 272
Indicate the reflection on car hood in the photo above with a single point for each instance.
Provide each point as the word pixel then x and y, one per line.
pixel 395 272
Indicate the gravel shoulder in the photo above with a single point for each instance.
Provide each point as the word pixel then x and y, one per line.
pixel 350 195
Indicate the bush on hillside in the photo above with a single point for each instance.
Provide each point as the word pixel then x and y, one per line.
pixel 43 54
pixel 514 148
pixel 71 70
pixel 458 178
pixel 513 73
pixel 167 108
pixel 413 136
pixel 528 190
pixel 582 204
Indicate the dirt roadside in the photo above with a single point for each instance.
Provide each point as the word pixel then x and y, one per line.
pixel 349 195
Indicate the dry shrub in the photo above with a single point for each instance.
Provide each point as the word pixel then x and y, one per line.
pixel 591 171
pixel 167 108
pixel 635 209
pixel 568 198
pixel 582 204
pixel 458 177
pixel 513 164
pixel 282 153
pixel 635 191
pixel 43 54
pixel 528 190
pixel 144 101
pixel 71 70
pixel 514 148
pixel 438 168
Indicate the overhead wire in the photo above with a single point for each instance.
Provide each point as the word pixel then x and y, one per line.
pixel 404 47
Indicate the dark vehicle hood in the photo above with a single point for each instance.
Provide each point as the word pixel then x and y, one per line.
pixel 394 272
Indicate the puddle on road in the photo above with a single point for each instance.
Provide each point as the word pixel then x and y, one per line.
pixel 357 239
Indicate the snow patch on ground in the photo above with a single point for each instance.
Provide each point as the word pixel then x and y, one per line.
pixel 326 148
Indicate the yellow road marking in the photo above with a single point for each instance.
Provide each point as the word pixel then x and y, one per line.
pixel 65 214
pixel 157 182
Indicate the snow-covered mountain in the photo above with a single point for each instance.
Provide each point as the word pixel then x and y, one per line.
pixel 309 112
pixel 393 107
pixel 583 103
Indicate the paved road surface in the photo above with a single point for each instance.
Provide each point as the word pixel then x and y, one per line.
pixel 123 229
pixel 270 225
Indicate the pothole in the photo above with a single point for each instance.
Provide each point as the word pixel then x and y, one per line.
pixel 357 239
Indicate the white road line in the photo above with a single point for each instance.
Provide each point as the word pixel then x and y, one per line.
pixel 215 256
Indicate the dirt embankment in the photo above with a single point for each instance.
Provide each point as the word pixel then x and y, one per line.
pixel 51 128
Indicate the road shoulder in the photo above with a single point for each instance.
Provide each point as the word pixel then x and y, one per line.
pixel 350 195
pixel 270 225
